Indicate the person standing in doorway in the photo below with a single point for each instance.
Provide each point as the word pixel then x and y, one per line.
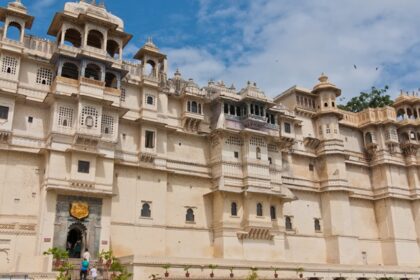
pixel 84 266
pixel 77 249
pixel 86 255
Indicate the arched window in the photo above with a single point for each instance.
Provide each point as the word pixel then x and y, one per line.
pixel 189 217
pixel 404 137
pixel 233 209
pixel 194 107
pixel 189 106
pixel 259 210
pixel 368 138
pixel 409 113
pixel 258 153
pixel 232 110
pixel 150 100
pixel 150 68
pixel 14 31
pixel 325 104
pixel 64 122
pixel 199 108
pixel 288 223
pixel 317 225
pixel 145 210
pixel 72 38
pixel 111 80
pixel 113 49
pixel 400 114
pixel 70 70
pixel 95 39
pixel 273 213
pixel 412 135
pixel 93 71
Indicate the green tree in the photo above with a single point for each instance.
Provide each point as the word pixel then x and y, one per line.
pixel 373 99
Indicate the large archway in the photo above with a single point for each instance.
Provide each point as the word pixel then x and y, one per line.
pixel 76 240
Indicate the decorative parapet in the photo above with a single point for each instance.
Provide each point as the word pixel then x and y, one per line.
pixel 369 116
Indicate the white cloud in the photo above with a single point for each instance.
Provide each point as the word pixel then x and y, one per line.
pixel 292 42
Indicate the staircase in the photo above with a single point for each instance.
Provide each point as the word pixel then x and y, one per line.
pixel 75 273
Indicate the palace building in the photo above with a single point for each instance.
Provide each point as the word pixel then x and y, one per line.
pixel 103 153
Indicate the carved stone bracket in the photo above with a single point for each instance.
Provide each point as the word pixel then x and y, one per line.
pixel 256 234
pixel 371 149
pixel 311 142
pixel 147 157
pixel 409 149
pixel 285 142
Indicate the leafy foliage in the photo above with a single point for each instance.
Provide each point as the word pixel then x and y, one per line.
pixel 57 253
pixel 373 99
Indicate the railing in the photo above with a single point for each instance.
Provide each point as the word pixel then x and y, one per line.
pixel 92 82
pixel 113 91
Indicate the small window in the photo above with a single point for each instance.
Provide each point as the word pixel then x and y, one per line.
pixel 258 153
pixel 333 104
pixel 83 166
pixel 123 95
pixel 150 139
pixel 288 223
pixel 270 160
pixel 311 167
pixel 325 104
pixel 287 128
pixel 30 119
pixel 189 217
pixel 234 209
pixel 259 210
pixel 317 225
pixel 150 100
pixel 273 213
pixel 145 210
pixel 236 154
pixel 4 112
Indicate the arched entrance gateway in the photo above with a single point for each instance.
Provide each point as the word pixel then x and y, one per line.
pixel 78 225
pixel 76 240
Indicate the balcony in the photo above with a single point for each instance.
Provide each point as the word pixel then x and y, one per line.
pixel 254 121
pixel 150 80
pixel 191 121
pixel 77 186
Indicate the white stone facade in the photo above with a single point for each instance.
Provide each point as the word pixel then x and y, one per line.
pixel 174 173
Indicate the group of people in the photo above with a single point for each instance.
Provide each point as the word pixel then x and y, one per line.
pixel 85 267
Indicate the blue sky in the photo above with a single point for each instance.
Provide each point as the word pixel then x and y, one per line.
pixel 276 43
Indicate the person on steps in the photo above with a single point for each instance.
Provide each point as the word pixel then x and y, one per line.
pixel 84 267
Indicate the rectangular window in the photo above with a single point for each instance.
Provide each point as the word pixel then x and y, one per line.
pixel 311 167
pixel 287 128
pixel 236 154
pixel 270 160
pixel 4 112
pixel 30 119
pixel 83 166
pixel 150 139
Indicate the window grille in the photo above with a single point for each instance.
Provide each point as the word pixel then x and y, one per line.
pixel 123 95
pixel 65 116
pixel 107 126
pixel 44 76
pixel 231 140
pixel 257 141
pixel 89 111
pixel 9 65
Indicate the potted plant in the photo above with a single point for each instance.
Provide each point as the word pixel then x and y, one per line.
pixel 64 271
pixel 212 267
pixel 59 256
pixel 299 271
pixel 187 272
pixel 166 267
pixel 253 275
pixel 275 272
pixel 231 272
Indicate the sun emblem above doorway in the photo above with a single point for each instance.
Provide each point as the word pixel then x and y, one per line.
pixel 79 210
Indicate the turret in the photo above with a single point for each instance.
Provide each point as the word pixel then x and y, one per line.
pixel 15 16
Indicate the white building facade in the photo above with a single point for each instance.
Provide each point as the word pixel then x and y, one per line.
pixel 119 156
